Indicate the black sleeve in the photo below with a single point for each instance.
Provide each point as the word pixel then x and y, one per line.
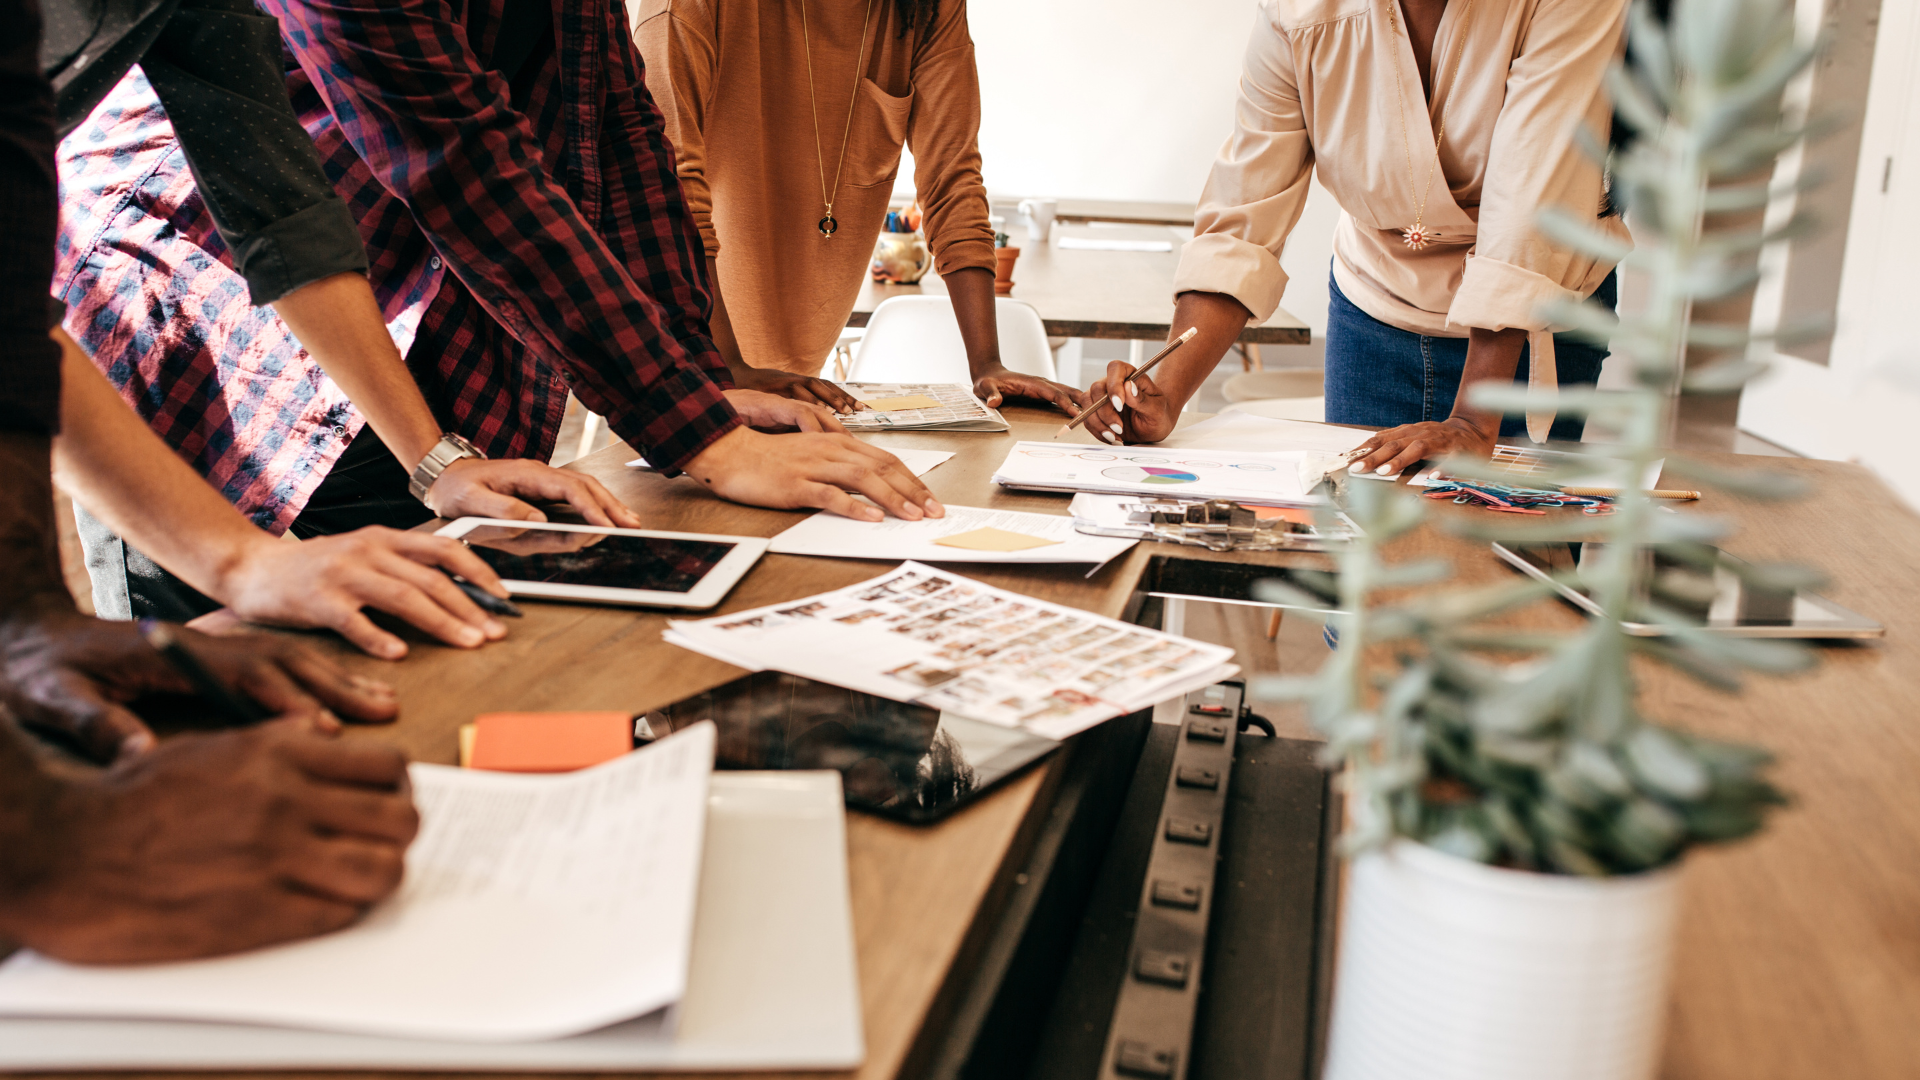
pixel 217 69
pixel 29 361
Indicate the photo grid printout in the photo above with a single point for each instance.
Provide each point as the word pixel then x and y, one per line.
pixel 919 405
pixel 942 640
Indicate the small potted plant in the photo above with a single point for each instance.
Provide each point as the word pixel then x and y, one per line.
pixel 1517 823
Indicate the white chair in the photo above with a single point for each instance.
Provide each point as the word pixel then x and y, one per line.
pixel 915 339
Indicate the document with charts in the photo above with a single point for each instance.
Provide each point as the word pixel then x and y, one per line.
pixel 919 407
pixel 942 640
pixel 1262 479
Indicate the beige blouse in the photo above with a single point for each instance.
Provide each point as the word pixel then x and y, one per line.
pixel 731 77
pixel 1319 90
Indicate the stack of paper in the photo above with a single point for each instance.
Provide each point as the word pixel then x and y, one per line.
pixel 966 534
pixel 919 407
pixel 1260 479
pixel 534 908
pixel 947 642
pixel 770 986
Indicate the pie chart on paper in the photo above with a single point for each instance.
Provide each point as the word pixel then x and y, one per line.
pixel 1148 474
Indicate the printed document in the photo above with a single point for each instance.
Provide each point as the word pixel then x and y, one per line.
pixel 837 537
pixel 945 641
pixel 1270 479
pixel 535 907
pixel 919 407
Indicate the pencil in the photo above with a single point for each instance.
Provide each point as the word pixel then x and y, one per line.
pixel 1141 370
pixel 1614 493
pixel 238 709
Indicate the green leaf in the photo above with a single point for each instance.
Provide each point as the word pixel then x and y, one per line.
pixel 1664 764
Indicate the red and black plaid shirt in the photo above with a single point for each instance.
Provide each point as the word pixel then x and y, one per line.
pixel 574 261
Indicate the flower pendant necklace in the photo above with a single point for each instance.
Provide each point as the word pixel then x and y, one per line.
pixel 1418 236
pixel 828 224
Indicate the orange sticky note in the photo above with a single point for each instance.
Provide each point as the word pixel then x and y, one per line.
pixel 898 404
pixel 549 742
pixel 990 539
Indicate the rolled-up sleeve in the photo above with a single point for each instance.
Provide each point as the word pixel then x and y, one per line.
pixel 1258 185
pixel 943 132
pixel 218 72
pixel 1555 84
pixel 29 361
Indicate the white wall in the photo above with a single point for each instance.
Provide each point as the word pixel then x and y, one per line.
pixel 1862 404
pixel 1124 99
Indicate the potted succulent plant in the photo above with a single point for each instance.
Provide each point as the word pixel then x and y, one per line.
pixel 1517 826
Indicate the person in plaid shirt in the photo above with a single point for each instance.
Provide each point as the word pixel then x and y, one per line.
pixel 526 234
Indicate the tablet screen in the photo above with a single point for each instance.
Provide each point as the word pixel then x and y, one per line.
pixel 654 563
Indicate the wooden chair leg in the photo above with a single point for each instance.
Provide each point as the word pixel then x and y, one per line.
pixel 1250 357
pixel 1273 625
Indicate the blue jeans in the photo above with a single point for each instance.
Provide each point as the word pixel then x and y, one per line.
pixel 1382 376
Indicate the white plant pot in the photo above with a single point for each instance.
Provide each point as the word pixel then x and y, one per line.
pixel 1452 970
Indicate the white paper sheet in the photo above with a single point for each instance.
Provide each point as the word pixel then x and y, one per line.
pixel 535 907
pixel 939 639
pixel 837 537
pixel 1246 432
pixel 1258 478
pixel 921 462
pixel 771 986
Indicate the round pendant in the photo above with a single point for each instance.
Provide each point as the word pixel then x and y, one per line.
pixel 828 226
pixel 1417 237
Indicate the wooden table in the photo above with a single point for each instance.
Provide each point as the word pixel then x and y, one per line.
pixel 1799 950
pixel 1095 294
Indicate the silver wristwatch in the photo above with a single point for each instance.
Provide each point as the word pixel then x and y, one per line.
pixel 449 449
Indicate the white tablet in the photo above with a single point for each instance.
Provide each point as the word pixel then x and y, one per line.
pixel 637 567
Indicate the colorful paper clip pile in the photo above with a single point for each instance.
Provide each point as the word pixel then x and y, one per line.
pixel 1516 500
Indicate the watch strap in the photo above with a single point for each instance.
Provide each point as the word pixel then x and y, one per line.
pixel 449 449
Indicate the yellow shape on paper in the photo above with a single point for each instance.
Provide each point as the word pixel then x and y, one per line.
pixel 990 539
pixel 901 403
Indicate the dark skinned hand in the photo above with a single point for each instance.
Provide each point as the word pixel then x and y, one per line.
pixel 1399 448
pixel 798 387
pixel 1141 414
pixel 68 672
pixel 211 844
pixel 997 384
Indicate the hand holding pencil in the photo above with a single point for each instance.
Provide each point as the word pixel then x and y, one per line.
pixel 1127 388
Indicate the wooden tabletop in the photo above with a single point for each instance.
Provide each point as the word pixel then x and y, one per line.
pixel 1798 952
pixel 1799 949
pixel 1095 294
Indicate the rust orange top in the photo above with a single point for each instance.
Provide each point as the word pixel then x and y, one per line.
pixel 731 76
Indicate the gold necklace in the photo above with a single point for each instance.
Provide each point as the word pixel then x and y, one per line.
pixel 1419 235
pixel 828 223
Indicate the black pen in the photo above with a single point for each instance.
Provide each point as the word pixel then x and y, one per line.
pixel 239 709
pixel 488 602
